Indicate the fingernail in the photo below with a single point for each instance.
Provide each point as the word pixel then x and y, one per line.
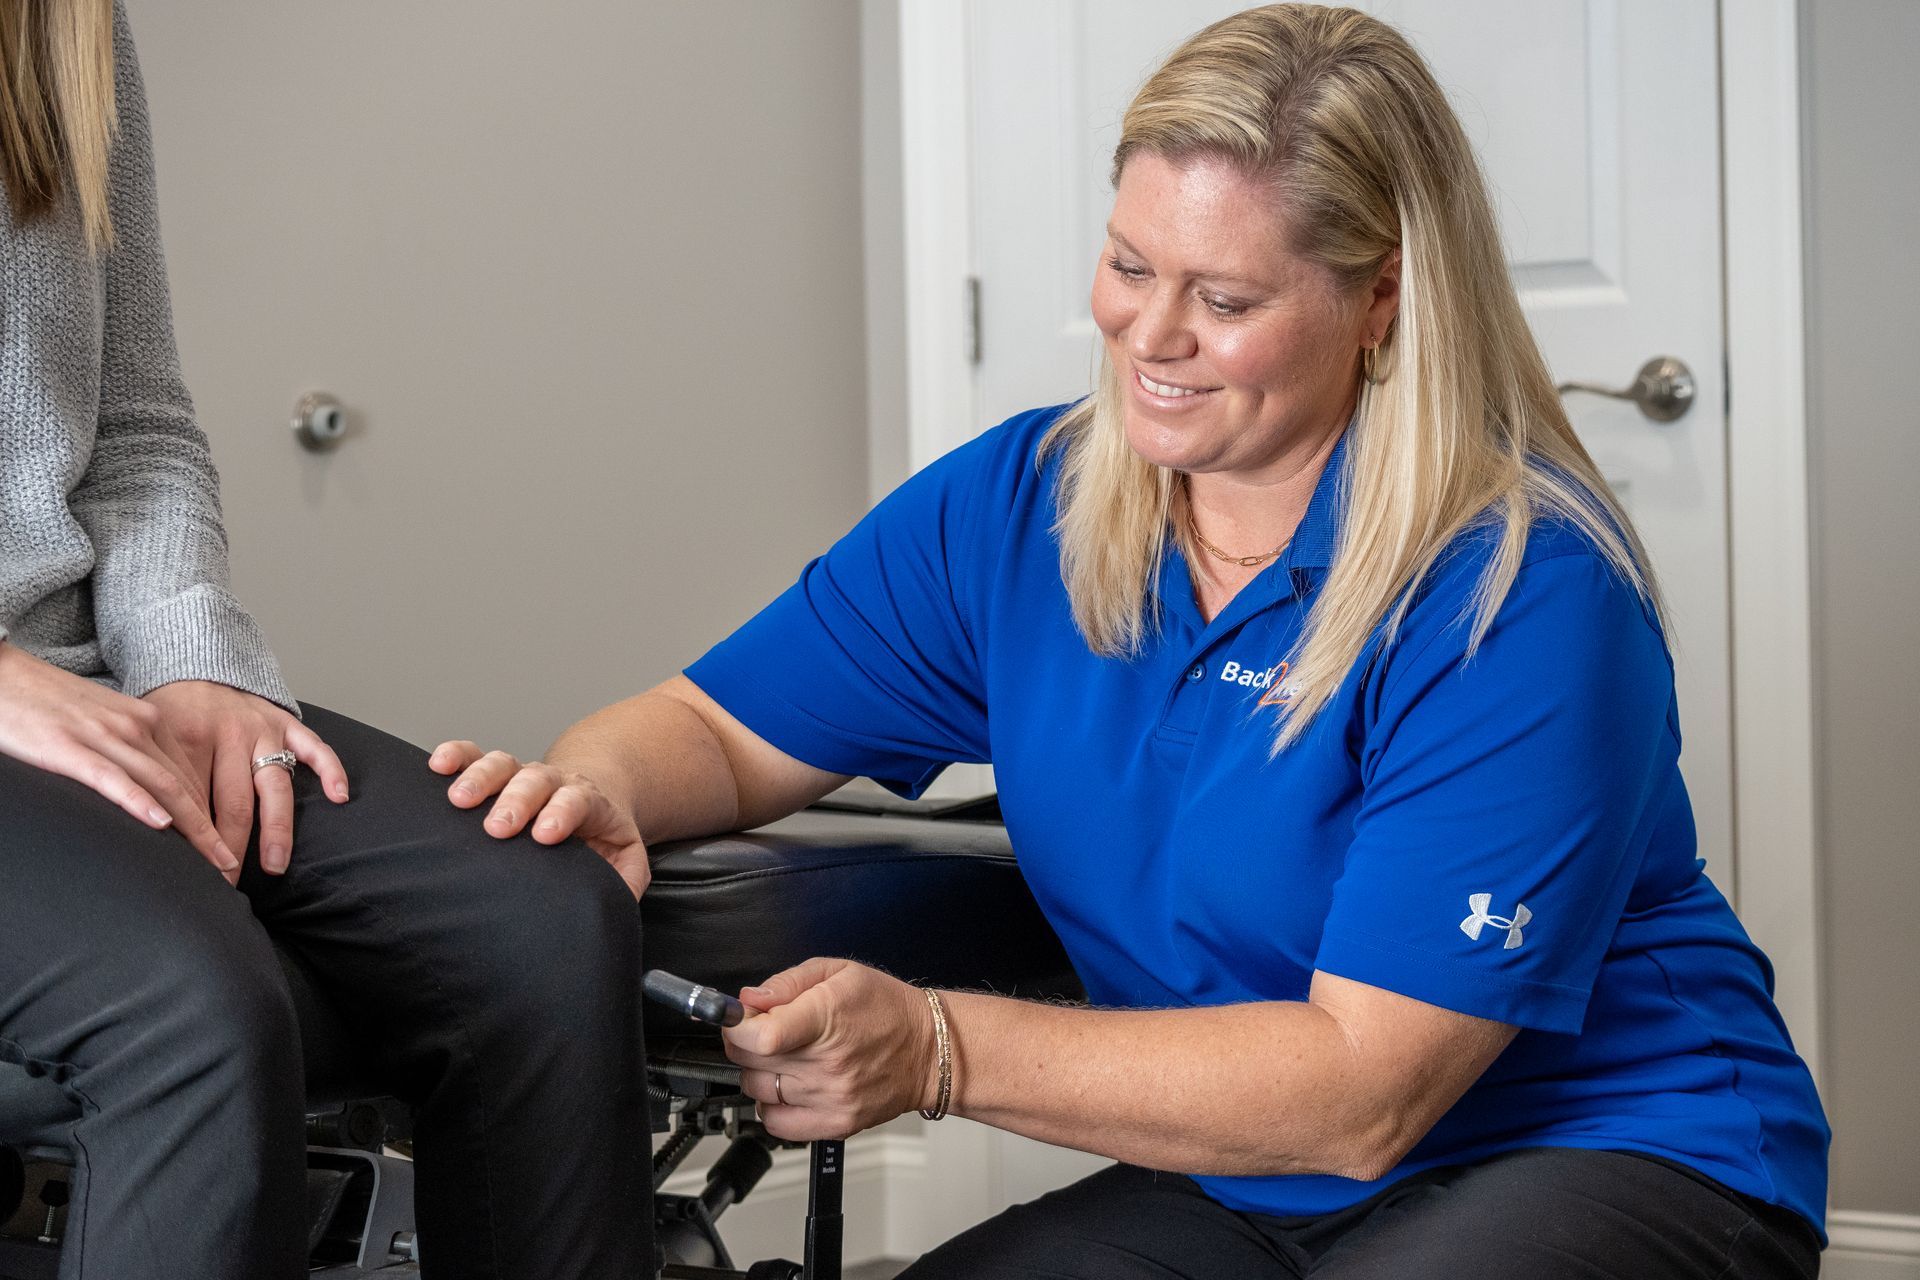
pixel 340 791
pixel 549 824
pixel 159 815
pixel 464 791
pixel 501 817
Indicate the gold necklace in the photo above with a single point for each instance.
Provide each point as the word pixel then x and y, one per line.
pixel 1245 562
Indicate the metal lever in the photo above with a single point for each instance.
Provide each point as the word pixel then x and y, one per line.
pixel 1663 389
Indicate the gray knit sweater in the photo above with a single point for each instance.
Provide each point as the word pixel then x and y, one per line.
pixel 113 558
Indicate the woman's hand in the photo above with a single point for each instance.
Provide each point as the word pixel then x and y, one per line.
pixel 554 803
pixel 121 747
pixel 852 1048
pixel 217 733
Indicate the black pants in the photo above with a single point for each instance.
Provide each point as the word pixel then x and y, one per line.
pixel 1539 1214
pixel 496 982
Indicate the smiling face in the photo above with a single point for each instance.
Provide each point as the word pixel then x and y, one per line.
pixel 1236 356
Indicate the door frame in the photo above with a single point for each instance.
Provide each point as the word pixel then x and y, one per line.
pixel 936 201
pixel 1776 869
pixel 1770 531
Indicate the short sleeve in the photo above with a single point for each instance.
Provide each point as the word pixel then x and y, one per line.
pixel 868 665
pixel 1508 799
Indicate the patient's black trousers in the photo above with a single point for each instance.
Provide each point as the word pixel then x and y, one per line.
pixel 493 983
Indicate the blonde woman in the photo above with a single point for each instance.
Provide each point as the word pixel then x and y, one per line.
pixel 143 726
pixel 1326 688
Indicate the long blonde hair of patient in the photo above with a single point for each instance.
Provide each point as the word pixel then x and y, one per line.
pixel 56 108
pixel 1344 119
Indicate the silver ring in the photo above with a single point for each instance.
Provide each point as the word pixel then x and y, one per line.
pixel 282 759
pixel 778 1096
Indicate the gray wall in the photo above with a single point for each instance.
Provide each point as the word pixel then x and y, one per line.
pixel 1863 311
pixel 589 277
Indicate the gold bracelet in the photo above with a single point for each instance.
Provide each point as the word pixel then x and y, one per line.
pixel 943 1045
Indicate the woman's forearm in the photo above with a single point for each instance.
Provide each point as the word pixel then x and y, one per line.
pixel 656 756
pixel 1271 1088
pixel 684 767
pixel 1240 1089
pixel 149 500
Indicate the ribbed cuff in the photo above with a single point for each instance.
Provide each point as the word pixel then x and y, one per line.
pixel 201 634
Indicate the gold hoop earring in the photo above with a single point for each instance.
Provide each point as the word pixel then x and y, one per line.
pixel 1369 365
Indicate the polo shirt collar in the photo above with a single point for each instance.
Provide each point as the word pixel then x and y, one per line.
pixel 1313 539
pixel 1299 567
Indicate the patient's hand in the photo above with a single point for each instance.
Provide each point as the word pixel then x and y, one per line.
pixel 553 804
pixel 119 746
pixel 852 1046
pixel 220 731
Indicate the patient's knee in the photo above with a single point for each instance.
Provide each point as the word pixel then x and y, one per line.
pixel 566 927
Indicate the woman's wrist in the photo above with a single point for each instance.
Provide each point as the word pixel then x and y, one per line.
pixel 16 662
pixel 936 1094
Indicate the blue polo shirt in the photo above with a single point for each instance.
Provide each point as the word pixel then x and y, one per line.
pixel 1508 837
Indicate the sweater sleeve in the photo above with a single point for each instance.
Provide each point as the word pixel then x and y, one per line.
pixel 150 498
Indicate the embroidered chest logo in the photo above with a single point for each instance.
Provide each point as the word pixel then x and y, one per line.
pixel 1278 691
pixel 1473 924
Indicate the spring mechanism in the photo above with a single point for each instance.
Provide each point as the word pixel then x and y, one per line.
pixel 675 1150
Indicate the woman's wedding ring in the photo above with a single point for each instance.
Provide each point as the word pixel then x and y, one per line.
pixel 282 759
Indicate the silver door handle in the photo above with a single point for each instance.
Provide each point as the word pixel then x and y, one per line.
pixel 1663 389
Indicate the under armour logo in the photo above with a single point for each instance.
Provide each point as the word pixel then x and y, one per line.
pixel 1478 904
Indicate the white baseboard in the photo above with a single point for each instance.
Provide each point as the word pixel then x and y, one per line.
pixel 1872 1246
pixel 1851 1264
pixel 1893 1233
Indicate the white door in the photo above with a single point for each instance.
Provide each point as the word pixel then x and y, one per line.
pixel 1597 125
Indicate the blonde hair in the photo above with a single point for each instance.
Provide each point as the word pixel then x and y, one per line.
pixel 1340 114
pixel 57 118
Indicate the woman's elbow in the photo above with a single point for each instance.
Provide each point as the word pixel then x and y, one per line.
pixel 1374 1144
pixel 1362 1145
pixel 1369 1162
